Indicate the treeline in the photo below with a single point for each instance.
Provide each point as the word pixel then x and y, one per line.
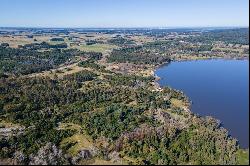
pixel 229 36
pixel 57 39
pixel 43 45
pixel 158 52
pixel 120 41
pixel 167 145
pixel 93 55
pixel 81 76
pixel 91 64
pixel 136 55
pixel 128 80
pixel 24 61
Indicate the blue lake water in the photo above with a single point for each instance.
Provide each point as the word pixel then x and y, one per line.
pixel 218 88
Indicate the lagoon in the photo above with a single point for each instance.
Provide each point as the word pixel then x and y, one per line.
pixel 218 88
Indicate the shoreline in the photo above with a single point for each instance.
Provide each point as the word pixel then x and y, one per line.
pixel 156 82
pixel 157 78
pixel 158 87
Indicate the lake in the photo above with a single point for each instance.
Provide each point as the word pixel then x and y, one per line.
pixel 218 88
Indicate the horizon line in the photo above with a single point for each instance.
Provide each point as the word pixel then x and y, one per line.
pixel 139 27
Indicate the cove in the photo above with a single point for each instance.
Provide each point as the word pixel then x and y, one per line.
pixel 217 88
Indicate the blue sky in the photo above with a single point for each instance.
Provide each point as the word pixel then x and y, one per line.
pixel 123 13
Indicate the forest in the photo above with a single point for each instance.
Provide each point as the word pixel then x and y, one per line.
pixel 40 104
pixel 232 36
pixel 87 111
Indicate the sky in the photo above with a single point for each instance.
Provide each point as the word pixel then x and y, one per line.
pixel 123 13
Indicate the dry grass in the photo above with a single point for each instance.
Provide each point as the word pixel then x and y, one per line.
pixel 14 41
pixel 238 49
pixel 80 139
pixel 95 47
pixel 243 157
pixel 69 126
pixel 142 39
pixel 193 57
pixel 60 72
pixel 104 162
pixel 4 124
pixel 177 103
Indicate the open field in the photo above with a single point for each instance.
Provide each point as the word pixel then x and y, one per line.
pixel 60 72
pixel 14 41
pixel 177 103
pixel 243 157
pixel 4 124
pixel 95 47
pixel 78 140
